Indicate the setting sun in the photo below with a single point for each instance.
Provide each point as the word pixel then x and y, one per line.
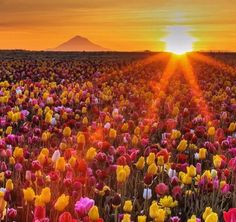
pixel 178 40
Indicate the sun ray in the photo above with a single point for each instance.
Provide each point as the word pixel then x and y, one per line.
pixel 216 63
pixel 161 86
pixel 195 89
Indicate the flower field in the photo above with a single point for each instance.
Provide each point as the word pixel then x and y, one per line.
pixel 117 137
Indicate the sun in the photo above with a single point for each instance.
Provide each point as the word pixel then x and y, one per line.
pixel 178 40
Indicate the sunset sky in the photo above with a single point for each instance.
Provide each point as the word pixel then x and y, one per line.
pixel 118 25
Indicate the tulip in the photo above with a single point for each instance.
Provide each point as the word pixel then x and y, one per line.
pixel 93 213
pixel 230 216
pixel 66 131
pixel 140 163
pixel 191 171
pixel 211 131
pixel 29 194
pixel 126 218
pixel 11 213
pixel 151 158
pixel 9 185
pixel 152 169
pixel 38 201
pixel 112 133
pixel 61 202
pixel 83 206
pixel 175 219
pixel 161 189
pixel 3 203
pixel 46 195
pixel 217 161
pixel 202 153
pixel 207 212
pixel 39 213
pixel 56 155
pixel 153 210
pixel 60 164
pixel 147 193
pixel 18 152
pixel 142 218
pixel 212 217
pixel 81 140
pixel 232 127
pixel 182 145
pixel 91 153
pixel 128 206
pixel 66 217
pixel 167 201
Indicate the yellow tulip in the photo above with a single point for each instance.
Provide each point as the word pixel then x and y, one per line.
pixel 211 131
pixel 12 160
pixel 151 158
pixel 2 176
pixel 39 201
pixel 127 170
pixel 85 120
pixel 217 161
pixel 18 152
pixel 128 206
pixel 153 210
pixel 61 164
pixel 191 171
pixel 186 179
pixel 9 185
pixel 93 213
pixel 135 140
pixel 137 131
pixel 29 194
pixel 182 145
pixel 72 161
pixel 45 152
pixel 121 176
pixel 202 153
pixel 80 138
pixel 67 131
pixel 207 212
pixel 140 163
pixel 125 127
pixel 91 153
pixel 9 130
pixel 62 202
pixel 3 203
pixel 46 195
pixel 161 215
pixel 212 217
pixel 152 169
pixel 112 133
pixel 142 218
pixel 126 218
pixel 192 219
pixel 167 201
pixel 232 127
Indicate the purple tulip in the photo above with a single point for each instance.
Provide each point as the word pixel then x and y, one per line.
pixel 83 206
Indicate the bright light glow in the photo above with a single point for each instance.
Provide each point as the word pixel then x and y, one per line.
pixel 178 40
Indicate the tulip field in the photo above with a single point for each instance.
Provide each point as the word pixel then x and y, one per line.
pixel 117 137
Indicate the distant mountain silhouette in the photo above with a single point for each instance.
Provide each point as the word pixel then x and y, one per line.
pixel 78 43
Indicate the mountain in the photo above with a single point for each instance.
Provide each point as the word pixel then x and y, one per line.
pixel 79 43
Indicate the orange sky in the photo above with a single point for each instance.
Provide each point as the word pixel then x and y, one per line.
pixel 117 25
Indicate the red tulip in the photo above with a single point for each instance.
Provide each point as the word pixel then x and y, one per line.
pixel 230 216
pixel 161 189
pixel 65 217
pixel 39 213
